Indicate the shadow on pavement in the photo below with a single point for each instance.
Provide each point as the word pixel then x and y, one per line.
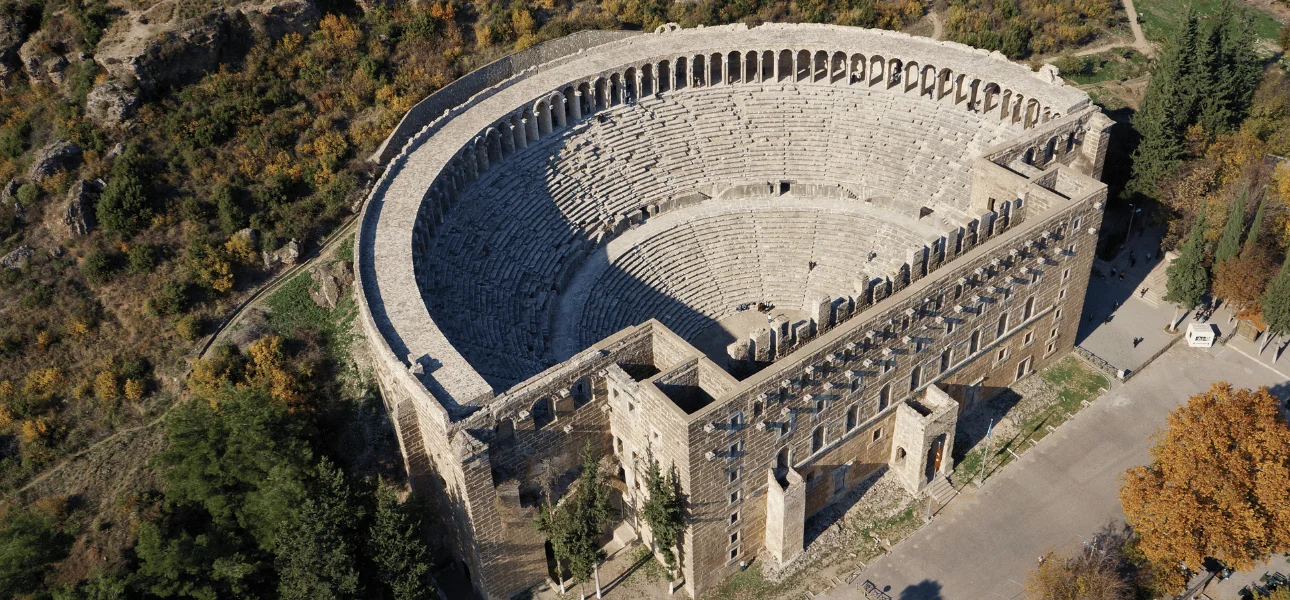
pixel 923 590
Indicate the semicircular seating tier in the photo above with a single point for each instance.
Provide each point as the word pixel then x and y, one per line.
pixel 508 247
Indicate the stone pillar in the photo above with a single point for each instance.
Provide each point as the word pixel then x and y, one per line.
pixel 821 312
pixel 779 334
pixel 923 439
pixel 761 344
pixel 785 515
pixel 577 105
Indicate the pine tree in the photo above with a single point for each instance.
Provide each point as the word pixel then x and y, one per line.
pixel 317 557
pixel 664 512
pixel 574 525
pixel 395 546
pixel 1255 227
pixel 1214 112
pixel 1243 68
pixel 1229 243
pixel 1186 278
pixel 1167 108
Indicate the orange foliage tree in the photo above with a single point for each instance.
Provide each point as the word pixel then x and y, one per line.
pixel 1218 484
pixel 1239 281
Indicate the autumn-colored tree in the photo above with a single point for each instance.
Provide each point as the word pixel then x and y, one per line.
pixel 134 389
pixel 105 386
pixel 1218 484
pixel 1239 281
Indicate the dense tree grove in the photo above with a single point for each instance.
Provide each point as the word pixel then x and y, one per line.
pixel 1021 28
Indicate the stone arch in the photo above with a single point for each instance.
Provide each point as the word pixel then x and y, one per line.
pixel 700 70
pixel 1048 114
pixel 819 437
pixel 1032 113
pixel 543 111
pixel 784 66
pixel 928 84
pixel 894 70
pixel 601 93
pixel 1050 150
pixel 716 66
pixel 947 84
pixel 582 391
pixel 767 66
pixel 838 67
pixel 857 69
pixel 820 67
pixel 915 377
pixel 493 145
pixel 558 114
pixel 1070 142
pixel 802 70
pixel 877 70
pixel 734 67
pixel 519 130
pixel 572 110
pixel 989 98
pixel 478 155
pixel 911 73
pixel 615 89
pixel 853 416
pixel 884 397
pixel 682 73
pixel 1029 157
pixel 664 71
pixel 752 72
pixel 629 85
pixel 504 433
pixel 1004 101
pixel 585 102
pixel 647 80
pixel 543 413
pixel 783 460
pixel 900 455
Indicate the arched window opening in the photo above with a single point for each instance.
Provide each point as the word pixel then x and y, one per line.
pixel 853 417
pixel 915 378
pixel 1030 308
pixel 946 358
pixel 817 439
pixel 884 397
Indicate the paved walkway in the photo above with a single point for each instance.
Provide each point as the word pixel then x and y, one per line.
pixel 1060 493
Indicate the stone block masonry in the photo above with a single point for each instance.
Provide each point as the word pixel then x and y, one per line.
pixel 546 244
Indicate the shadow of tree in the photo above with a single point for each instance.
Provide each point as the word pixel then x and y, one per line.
pixel 923 590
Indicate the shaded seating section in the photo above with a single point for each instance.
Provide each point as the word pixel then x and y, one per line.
pixel 503 252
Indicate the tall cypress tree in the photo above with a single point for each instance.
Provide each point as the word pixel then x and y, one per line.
pixel 1243 68
pixel 1167 108
pixel 1213 101
pixel 1229 243
pixel 1276 304
pixel 1255 227
pixel 1186 279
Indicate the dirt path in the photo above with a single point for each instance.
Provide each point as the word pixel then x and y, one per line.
pixel 1139 40
pixel 938 27
pixel 265 289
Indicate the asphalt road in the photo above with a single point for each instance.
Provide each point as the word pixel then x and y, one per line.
pixel 1059 494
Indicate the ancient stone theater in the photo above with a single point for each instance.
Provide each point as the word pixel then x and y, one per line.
pixel 779 259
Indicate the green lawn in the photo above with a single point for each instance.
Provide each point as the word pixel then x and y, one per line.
pixel 291 311
pixel 1073 381
pixel 1112 65
pixel 1162 19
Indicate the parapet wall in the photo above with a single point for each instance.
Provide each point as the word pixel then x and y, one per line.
pixel 493 73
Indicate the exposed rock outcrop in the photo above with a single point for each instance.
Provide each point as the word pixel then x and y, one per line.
pixel 58 156
pixel 78 214
pixel 111 103
pixel 13 32
pixel 43 59
pixel 159 46
pixel 17 259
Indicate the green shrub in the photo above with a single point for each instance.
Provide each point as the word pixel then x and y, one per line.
pixel 99 266
pixel 27 194
pixel 231 216
pixel 189 327
pixel 142 259
pixel 171 299
pixel 124 207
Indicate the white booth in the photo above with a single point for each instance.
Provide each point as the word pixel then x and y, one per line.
pixel 1200 335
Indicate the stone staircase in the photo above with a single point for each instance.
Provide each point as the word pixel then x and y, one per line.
pixel 1155 282
pixel 941 491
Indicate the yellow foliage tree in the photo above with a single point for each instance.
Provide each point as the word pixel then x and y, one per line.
pixel 77 327
pixel 268 368
pixel 105 387
pixel 42 384
pixel 6 417
pixel 1218 484
pixel 134 389
pixel 34 429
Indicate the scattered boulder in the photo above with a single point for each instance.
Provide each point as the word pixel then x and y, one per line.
pixel 43 59
pixel 78 215
pixel 17 259
pixel 58 156
pixel 111 104
pixel 330 282
pixel 285 256
pixel 9 196
pixel 116 150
